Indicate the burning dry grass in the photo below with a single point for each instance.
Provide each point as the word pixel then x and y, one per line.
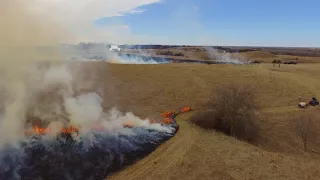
pixel 76 124
pixel 157 88
pixel 280 154
pixel 120 139
pixel 39 90
pixel 148 91
pixel 89 157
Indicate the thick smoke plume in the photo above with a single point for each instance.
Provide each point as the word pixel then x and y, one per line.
pixel 22 32
pixel 38 87
pixel 35 81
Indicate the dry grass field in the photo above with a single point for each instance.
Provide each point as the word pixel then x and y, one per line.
pixel 199 53
pixel 194 153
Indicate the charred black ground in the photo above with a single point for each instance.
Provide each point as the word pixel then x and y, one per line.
pixel 93 156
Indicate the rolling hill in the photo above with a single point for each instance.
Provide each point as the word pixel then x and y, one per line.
pixel 195 153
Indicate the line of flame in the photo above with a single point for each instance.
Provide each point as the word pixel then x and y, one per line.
pixel 169 115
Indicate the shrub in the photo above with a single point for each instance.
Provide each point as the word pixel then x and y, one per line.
pixel 306 129
pixel 230 110
pixel 179 54
pixel 275 61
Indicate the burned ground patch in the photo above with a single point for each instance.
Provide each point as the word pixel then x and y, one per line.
pixel 93 156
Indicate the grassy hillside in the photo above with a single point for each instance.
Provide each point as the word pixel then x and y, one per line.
pixel 197 154
pixel 194 153
pixel 200 53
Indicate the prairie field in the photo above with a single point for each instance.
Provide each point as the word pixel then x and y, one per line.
pixel 195 153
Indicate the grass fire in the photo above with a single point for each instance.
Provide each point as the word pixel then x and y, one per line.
pixel 103 89
pixel 74 154
pixel 94 151
pixel 40 131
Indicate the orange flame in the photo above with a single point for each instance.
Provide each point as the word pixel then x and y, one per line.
pixel 72 129
pixel 167 121
pixel 185 109
pixel 168 115
pixel 41 131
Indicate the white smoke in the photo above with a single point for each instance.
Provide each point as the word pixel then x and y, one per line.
pixel 20 32
pixel 138 57
pixel 132 61
pixel 83 111
pixel 223 57
pixel 39 87
pixel 101 52
pixel 129 118
pixel 53 101
pixel 36 83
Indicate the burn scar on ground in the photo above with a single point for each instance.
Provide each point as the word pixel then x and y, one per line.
pixel 93 154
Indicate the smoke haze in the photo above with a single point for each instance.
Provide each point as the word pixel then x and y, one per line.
pixel 21 32
pixel 37 83
pixel 223 57
pixel 38 86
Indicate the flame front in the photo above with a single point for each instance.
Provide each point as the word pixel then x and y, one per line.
pixel 40 131
pixel 185 109
pixel 168 115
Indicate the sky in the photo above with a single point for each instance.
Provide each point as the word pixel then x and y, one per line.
pixel 193 22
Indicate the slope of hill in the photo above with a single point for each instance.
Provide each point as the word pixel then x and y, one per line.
pixel 197 154
pixel 194 153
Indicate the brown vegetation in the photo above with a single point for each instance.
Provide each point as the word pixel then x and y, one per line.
pixel 266 55
pixel 290 62
pixel 157 88
pixel 307 128
pixel 170 53
pixel 275 61
pixel 232 111
pixel 303 52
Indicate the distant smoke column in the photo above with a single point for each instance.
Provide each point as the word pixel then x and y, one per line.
pixel 222 56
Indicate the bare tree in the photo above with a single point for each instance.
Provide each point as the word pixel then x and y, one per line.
pixel 233 110
pixel 306 129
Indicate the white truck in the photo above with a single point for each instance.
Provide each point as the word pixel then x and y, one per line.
pixel 114 48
